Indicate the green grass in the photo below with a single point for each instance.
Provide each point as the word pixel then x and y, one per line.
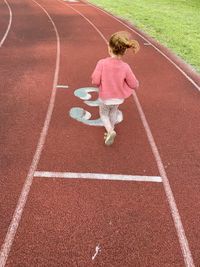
pixel 174 23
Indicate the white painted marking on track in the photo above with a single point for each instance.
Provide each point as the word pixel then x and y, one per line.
pixel 97 250
pixel 71 1
pixel 98 176
pixel 62 86
pixel 147 44
pixel 6 247
pixel 188 259
pixel 9 24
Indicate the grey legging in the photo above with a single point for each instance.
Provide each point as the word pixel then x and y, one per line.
pixel 109 115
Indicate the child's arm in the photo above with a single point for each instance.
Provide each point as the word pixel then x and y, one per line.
pixel 131 79
pixel 96 75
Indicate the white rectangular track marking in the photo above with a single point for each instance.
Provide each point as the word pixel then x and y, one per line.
pixel 62 86
pixel 98 176
pixel 71 1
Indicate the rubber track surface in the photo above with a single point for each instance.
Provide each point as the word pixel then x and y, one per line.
pixel 65 220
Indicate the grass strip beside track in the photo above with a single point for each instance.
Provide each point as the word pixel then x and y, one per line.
pixel 172 23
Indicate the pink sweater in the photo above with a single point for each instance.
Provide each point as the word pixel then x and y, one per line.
pixel 114 78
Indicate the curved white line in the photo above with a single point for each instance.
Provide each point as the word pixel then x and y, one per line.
pixel 9 24
pixel 100 33
pixel 28 181
pixel 168 191
pixel 144 38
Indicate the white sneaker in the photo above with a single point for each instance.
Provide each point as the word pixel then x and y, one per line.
pixel 105 135
pixel 110 138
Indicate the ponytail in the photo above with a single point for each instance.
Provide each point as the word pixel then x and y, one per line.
pixel 134 45
pixel 120 41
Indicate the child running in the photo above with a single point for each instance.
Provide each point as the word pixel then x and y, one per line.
pixel 115 81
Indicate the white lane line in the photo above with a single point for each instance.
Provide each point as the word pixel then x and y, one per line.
pixel 184 245
pixel 62 86
pixel 168 191
pixel 100 33
pixel 98 176
pixel 6 247
pixel 148 41
pixel 9 24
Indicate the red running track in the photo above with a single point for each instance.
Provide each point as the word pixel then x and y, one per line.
pixel 82 222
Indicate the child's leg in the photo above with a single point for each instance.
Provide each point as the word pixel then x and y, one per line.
pixel 104 112
pixel 114 114
pixel 119 116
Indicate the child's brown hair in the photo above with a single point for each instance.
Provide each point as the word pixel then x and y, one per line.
pixel 120 41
